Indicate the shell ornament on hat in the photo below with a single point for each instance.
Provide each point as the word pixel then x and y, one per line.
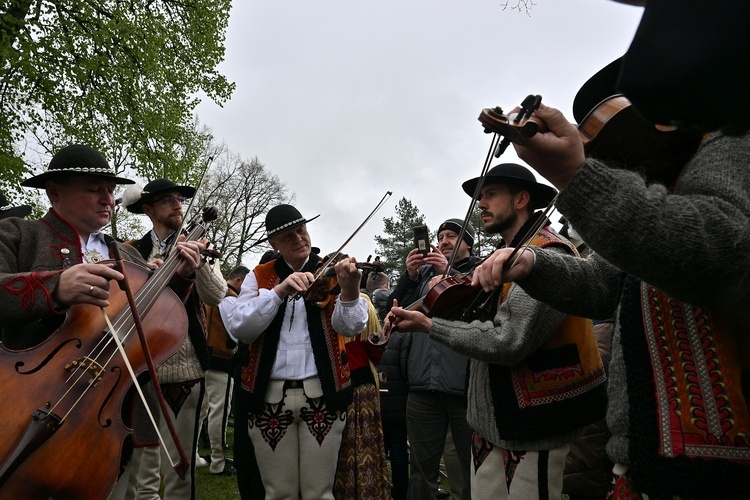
pixel 8 210
pixel 283 217
pixel 72 160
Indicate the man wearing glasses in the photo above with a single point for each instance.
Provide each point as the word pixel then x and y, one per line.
pixel 182 375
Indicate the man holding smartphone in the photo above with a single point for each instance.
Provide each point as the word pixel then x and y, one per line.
pixel 437 374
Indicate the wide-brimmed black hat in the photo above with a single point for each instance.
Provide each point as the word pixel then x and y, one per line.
pixel 134 199
pixel 597 88
pixel 455 226
pixel 283 217
pixel 75 159
pixel 7 210
pixel 512 173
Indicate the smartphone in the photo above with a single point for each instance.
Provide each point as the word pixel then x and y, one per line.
pixel 422 239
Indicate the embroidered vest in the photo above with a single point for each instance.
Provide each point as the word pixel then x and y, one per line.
pixel 557 389
pixel 220 344
pixel 328 350
pixel 688 388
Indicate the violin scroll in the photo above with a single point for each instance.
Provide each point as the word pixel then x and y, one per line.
pixel 516 127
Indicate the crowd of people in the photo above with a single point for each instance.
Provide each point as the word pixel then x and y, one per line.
pixel 611 360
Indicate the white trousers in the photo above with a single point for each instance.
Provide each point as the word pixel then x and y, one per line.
pixel 297 444
pixel 499 474
pixel 213 408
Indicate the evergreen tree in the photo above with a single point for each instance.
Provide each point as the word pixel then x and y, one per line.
pixel 398 236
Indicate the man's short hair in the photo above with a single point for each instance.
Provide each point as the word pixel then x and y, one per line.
pixel 375 281
pixel 238 272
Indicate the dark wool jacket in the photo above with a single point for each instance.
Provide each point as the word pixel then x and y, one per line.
pixel 33 253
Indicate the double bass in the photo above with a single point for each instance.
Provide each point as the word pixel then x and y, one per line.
pixel 64 428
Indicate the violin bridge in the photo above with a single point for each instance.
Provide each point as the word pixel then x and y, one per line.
pixel 91 366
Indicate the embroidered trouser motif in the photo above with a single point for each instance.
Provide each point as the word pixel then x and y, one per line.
pixel 297 445
pixel 499 474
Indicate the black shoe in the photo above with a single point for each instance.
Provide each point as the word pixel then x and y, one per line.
pixel 443 493
pixel 207 458
pixel 228 471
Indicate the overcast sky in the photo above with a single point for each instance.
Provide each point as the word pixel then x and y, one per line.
pixel 347 99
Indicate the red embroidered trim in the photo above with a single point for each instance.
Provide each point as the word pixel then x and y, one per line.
pixel 26 286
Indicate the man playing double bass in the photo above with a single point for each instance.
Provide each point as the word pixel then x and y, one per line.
pixel 294 383
pixel 52 264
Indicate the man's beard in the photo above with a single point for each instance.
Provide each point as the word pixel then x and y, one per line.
pixel 173 223
pixel 498 226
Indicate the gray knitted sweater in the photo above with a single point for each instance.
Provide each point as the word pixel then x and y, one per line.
pixel 521 326
pixel 693 244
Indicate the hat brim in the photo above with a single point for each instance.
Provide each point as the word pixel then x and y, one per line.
pixel 19 211
pixel 137 206
pixel 40 181
pixel 541 194
pixel 602 85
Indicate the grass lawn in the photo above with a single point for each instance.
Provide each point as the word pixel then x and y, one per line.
pixel 215 487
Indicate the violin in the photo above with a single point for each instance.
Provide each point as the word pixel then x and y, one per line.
pixel 452 298
pixel 326 284
pixel 63 434
pixel 613 132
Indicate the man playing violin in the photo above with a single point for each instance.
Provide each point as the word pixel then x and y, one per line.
pixel 295 379
pixel 182 375
pixel 536 377
pixel 437 374
pixel 674 261
pixel 49 265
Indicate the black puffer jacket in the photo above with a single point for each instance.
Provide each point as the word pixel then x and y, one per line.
pixel 394 365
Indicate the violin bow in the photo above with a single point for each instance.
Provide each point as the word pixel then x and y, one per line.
pixel 333 256
pixel 182 466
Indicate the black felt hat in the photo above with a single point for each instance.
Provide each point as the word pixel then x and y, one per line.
pixel 75 159
pixel 455 226
pixel 7 210
pixel 512 173
pixel 151 191
pixel 597 88
pixel 283 217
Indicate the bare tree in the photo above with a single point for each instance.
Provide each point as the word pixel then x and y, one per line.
pixel 243 191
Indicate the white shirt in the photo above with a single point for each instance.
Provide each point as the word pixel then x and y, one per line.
pixel 254 310
pixel 226 306
pixel 94 248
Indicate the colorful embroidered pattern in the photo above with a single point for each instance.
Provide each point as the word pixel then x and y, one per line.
pixel 480 450
pixel 318 419
pixel 698 382
pixel 176 394
pixel 511 458
pixel 272 423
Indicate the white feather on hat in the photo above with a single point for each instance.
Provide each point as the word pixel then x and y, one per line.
pixel 131 195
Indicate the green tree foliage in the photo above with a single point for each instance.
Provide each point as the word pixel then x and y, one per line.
pixel 119 75
pixel 398 236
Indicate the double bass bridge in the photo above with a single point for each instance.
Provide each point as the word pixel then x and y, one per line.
pixel 91 366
